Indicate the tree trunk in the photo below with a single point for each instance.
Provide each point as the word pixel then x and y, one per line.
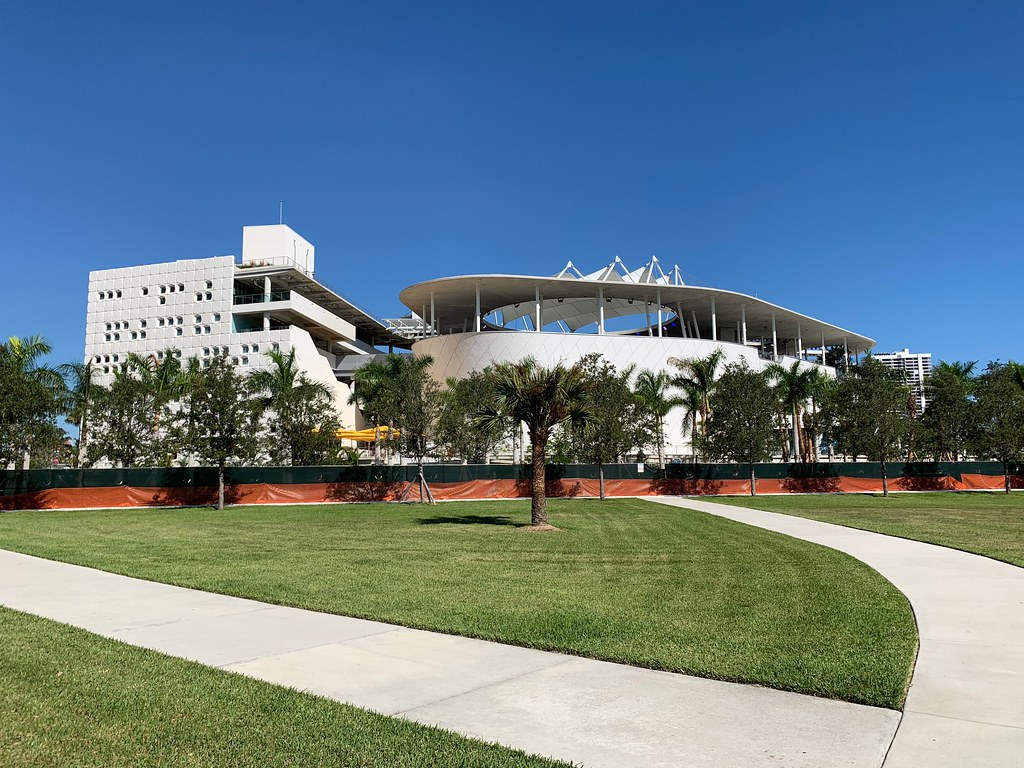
pixel 753 480
pixel 661 442
pixel 600 480
pixel 885 480
pixel 539 502
pixel 376 443
pixel 1006 476
pixel 796 433
pixel 220 487
pixel 81 441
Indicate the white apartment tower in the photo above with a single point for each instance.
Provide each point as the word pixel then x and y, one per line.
pixel 267 300
pixel 916 366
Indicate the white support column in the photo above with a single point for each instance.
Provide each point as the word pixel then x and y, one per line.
pixel 846 355
pixel 822 347
pixel 537 323
pixel 775 340
pixel 476 322
pixel 267 290
pixel 600 311
pixel 743 316
pixel 423 320
pixel 660 321
pixel 433 320
pixel 714 321
pixel 696 328
pixel 647 314
pixel 799 342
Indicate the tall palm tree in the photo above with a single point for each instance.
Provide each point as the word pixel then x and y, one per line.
pixel 1016 371
pixel 691 402
pixel 82 392
pixel 697 375
pixel 542 398
pixel 652 389
pixel 794 386
pixel 163 375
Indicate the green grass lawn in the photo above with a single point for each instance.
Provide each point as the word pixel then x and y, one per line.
pixel 71 698
pixel 624 580
pixel 990 524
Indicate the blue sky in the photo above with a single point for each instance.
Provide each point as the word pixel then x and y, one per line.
pixel 858 162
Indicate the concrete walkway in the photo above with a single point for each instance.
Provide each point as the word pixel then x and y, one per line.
pixel 590 712
pixel 966 701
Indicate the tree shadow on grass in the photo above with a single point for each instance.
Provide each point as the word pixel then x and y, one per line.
pixel 472 520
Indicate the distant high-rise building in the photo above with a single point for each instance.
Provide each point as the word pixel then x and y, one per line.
pixel 916 366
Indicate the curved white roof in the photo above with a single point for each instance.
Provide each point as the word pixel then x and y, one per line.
pixel 571 298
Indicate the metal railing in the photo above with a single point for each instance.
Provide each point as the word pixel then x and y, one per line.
pixel 259 298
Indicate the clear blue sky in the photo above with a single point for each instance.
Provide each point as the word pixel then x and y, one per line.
pixel 859 162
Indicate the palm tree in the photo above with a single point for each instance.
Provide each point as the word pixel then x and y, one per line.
pixel 19 359
pixel 375 393
pixel 1016 371
pixel 163 376
pixel 696 378
pixel 795 386
pixel 283 386
pixel 652 389
pixel 691 402
pixel 82 392
pixel 542 398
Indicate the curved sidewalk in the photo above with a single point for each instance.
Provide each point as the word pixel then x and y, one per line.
pixel 966 701
pixel 589 712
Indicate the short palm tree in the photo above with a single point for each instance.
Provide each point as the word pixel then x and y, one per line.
pixel 542 398
pixel 20 363
pixel 652 390
pixel 795 385
pixel 696 378
pixel 82 393
pixel 375 391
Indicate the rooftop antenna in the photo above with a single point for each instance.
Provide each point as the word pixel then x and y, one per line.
pixel 280 212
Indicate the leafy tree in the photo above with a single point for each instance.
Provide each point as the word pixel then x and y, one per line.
pixel 615 425
pixel 163 375
pixel 542 398
pixel 219 419
pixel 697 377
pixel 948 422
pixel 656 402
pixel 123 430
pixel 838 358
pixel 869 410
pixel 301 413
pixel 32 395
pixel 417 407
pixel 1000 410
pixel 741 427
pixel 457 431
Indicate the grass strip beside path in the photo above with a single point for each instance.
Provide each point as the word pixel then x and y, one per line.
pixel 72 698
pixel 990 524
pixel 623 580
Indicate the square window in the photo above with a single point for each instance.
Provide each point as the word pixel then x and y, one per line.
pixel 106 358
pixel 145 291
pixel 206 329
pixel 160 322
pixel 195 330
pixel 245 347
pixel 142 334
pixel 163 300
pixel 181 286
pixel 199 318
pixel 116 359
pixel 209 283
pixel 209 295
pixel 255 347
pixel 163 289
pixel 142 323
pixel 199 296
pixel 216 317
pixel 180 319
pixel 117 337
pixel 177 331
pixel 135 335
pixel 118 294
pixel 245 360
pixel 108 326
